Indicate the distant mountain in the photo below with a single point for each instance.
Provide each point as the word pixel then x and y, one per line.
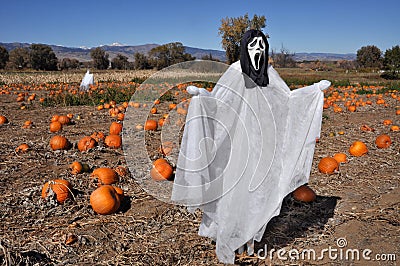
pixel 323 57
pixel 83 54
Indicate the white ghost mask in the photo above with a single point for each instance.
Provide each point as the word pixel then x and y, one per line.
pixel 256 50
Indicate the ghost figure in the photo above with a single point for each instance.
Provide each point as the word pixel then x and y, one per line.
pixel 245 146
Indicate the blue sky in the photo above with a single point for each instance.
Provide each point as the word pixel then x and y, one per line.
pixel 336 26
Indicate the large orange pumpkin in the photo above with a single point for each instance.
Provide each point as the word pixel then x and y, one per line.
pixel 383 141
pixel 59 143
pixel 304 194
pixel 113 141
pixel 358 148
pixel 115 128
pixel 161 172
pixel 328 165
pixel 55 126
pixel 105 175
pixel 150 125
pixel 105 200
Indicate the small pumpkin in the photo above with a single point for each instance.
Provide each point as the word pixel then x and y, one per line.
pixel 113 141
pixel 153 110
pixel 60 187
pixel 161 171
pixel 59 143
pixel 171 106
pixel 55 126
pixel 3 120
pixel 358 148
pixel 76 168
pixel 105 200
pixel 383 141
pixel 394 128
pixel 387 122
pixel 22 148
pixel 64 120
pixel 340 157
pixel 54 118
pixel 181 111
pixel 27 124
pixel 304 194
pixel 328 165
pixel 105 176
pixel 151 125
pixel 115 128
pixel 86 143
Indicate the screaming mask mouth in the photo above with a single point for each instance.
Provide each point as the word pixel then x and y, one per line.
pixel 256 50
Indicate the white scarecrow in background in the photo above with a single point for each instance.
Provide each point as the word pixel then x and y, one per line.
pixel 245 146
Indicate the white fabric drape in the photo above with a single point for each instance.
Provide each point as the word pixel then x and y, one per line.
pixel 243 150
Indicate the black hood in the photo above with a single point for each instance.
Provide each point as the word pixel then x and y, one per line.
pixel 260 77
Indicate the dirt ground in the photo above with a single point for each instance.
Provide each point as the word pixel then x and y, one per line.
pixel 357 208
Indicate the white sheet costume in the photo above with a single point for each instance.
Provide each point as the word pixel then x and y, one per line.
pixel 245 146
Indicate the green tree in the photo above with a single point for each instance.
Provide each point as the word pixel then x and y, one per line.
pixel 232 30
pixel 391 63
pixel 141 61
pixel 120 62
pixel 3 57
pixel 100 58
pixel 168 54
pixel 42 57
pixel 369 57
pixel 68 63
pixel 19 58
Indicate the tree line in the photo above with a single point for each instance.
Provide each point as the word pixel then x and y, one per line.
pixel 42 57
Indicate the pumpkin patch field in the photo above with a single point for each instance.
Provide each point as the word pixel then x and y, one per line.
pixel 68 197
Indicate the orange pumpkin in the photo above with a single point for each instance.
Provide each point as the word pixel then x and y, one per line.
pixel 161 172
pixel 76 168
pixel 387 122
pixel 150 125
pixel 59 143
pixel 113 141
pixel 304 194
pixel 171 106
pixel 60 187
pixel 64 120
pixel 86 143
pixel 358 148
pixel 394 128
pixel 55 126
pixel 383 141
pixel 54 118
pixel 120 193
pixel 3 120
pixel 328 165
pixel 115 128
pixel 153 110
pixel 105 176
pixel 340 157
pixel 105 200
pixel 352 108
pixel 22 148
pixel 181 111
